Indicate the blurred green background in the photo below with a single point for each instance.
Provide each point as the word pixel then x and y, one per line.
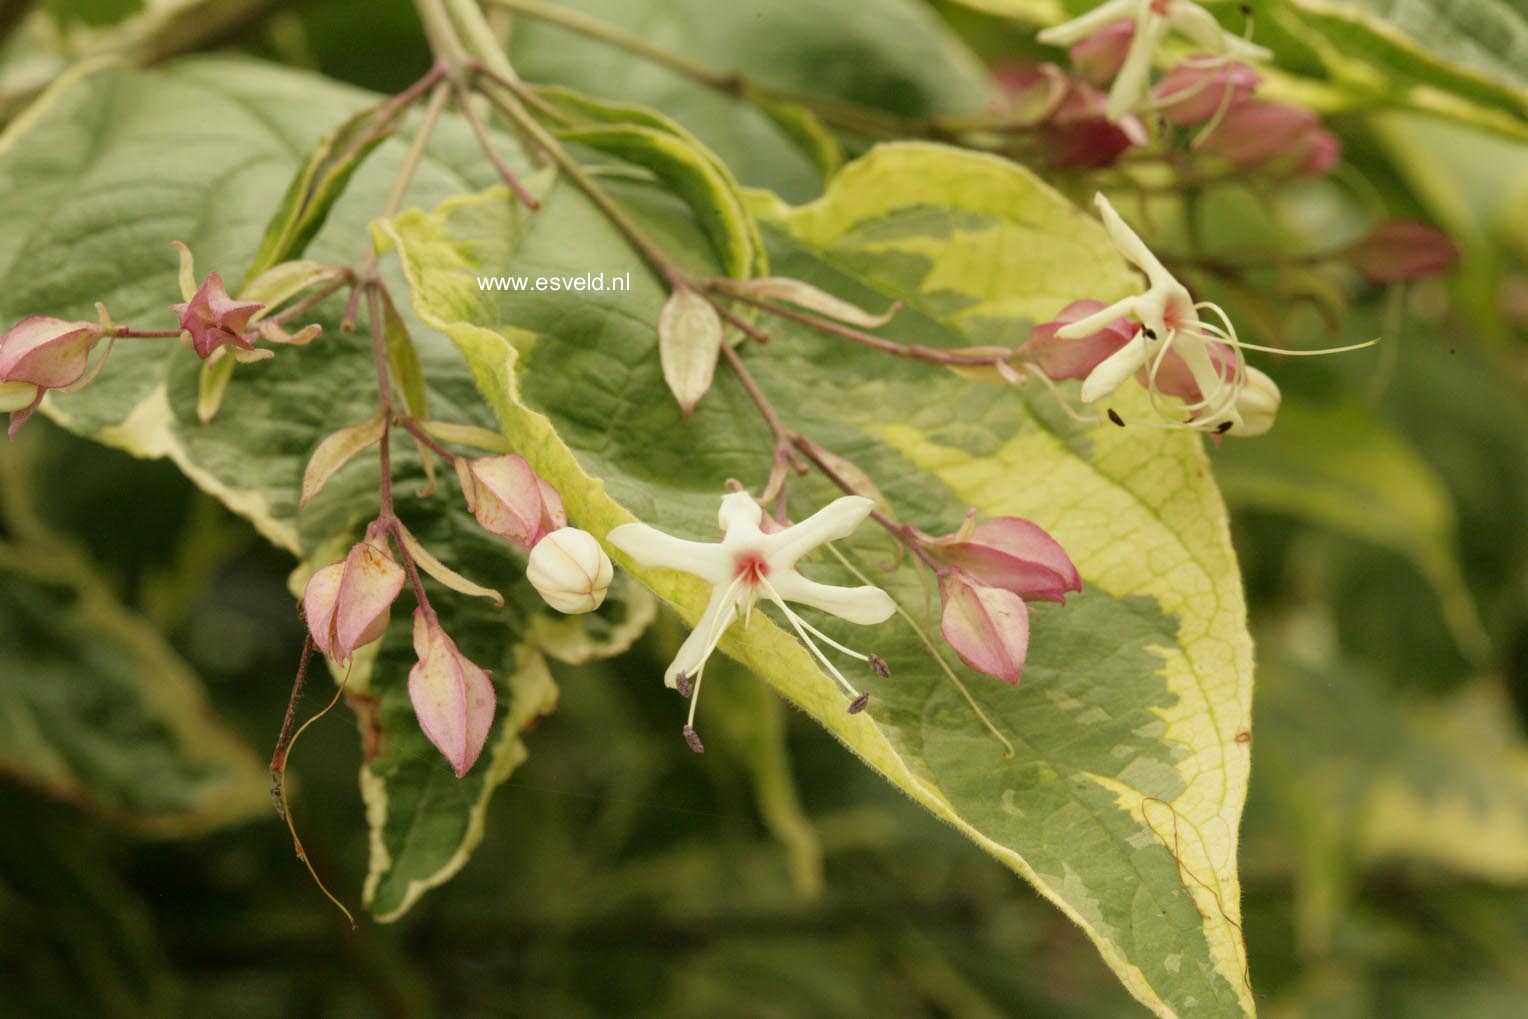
pixel 1382 530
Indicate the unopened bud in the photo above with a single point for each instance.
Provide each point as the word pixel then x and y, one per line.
pixel 1193 92
pixel 453 699
pixel 49 353
pixel 347 604
pixel 1098 58
pixel 1253 133
pixel 510 500
pixel 570 570
pixel 1014 554
pixel 1315 153
pixel 1080 136
pixel 1030 92
pixel 1400 251
pixel 987 626
pixel 1076 358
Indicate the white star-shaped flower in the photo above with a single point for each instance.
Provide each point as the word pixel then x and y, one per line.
pixel 1154 20
pixel 1235 397
pixel 747 565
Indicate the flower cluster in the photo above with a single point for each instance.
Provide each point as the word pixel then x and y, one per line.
pixel 1121 39
pixel 40 354
pixel 348 604
pixel 1074 124
pixel 987 570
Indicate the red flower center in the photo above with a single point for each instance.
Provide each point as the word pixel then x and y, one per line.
pixel 751 567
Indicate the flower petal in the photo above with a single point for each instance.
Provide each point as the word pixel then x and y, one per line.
pixel 863 605
pixel 719 613
pixel 1079 28
pixel 1112 371
pixel 1095 321
pixel 1128 243
pixel 837 519
pixel 651 547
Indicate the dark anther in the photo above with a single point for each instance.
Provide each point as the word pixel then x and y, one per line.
pixel 1151 334
pixel 878 666
pixel 858 704
pixel 1114 416
pixel 1246 10
pixel 693 740
pixel 682 684
pixel 1223 428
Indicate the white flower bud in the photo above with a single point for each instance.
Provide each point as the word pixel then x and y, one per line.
pixel 570 570
pixel 1257 405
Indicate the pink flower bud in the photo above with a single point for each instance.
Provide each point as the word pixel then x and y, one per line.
pixel 1014 554
pixel 1098 58
pixel 1255 132
pixel 47 352
pixel 510 500
pixel 987 626
pixel 216 320
pixel 1080 135
pixel 1315 153
pixel 1193 92
pixel 453 698
pixel 1030 92
pixel 1075 359
pixel 347 604
pixel 570 570
pixel 1401 250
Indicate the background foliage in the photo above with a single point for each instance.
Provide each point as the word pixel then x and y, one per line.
pixel 1379 528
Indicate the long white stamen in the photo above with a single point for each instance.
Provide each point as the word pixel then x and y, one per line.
pixel 1309 353
pixel 724 620
pixel 831 642
pixel 797 622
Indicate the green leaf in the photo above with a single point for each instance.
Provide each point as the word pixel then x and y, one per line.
pixel 1121 798
pixel 317 185
pixel 425 822
pixel 808 134
pixel 676 158
pixel 96 709
pixel 403 362
pixel 1473 50
pixel 891 54
pixel 1342 467
pixel 1441 780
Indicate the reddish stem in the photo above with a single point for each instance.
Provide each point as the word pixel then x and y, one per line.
pixel 912 352
pixel 425 439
